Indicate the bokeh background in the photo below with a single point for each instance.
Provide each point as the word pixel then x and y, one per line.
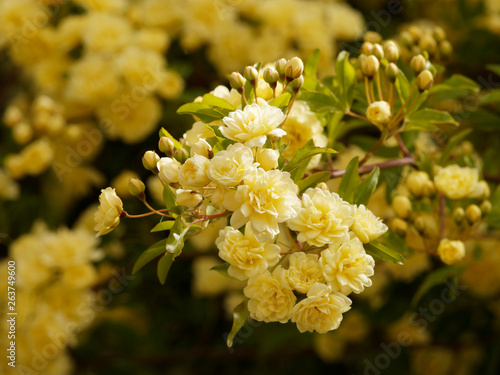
pixel 85 86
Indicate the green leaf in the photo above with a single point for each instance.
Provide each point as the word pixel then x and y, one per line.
pixel 494 68
pixel 427 119
pixel 455 83
pixel 215 101
pixel 240 316
pixel 452 142
pixel 393 241
pixel 164 225
pixel 311 64
pixel 222 269
pixel 492 96
pixel 148 255
pixel 382 252
pixel 281 101
pixel 320 102
pixel 367 187
pixel 304 154
pixel 350 181
pixel 164 265
pixel 164 133
pixel 169 197
pixel 175 240
pixel 313 180
pixel 436 278
pixel 203 111
pixel 346 75
pixel 402 86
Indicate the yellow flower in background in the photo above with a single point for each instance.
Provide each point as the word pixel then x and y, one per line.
pixel 106 33
pixel 367 227
pixel 324 218
pixel 303 272
pixel 347 269
pixel 230 166
pixel 265 199
pixel 245 254
pixel 321 311
pixel 457 182
pixel 108 214
pixel 270 300
pixel 451 252
pixel 252 125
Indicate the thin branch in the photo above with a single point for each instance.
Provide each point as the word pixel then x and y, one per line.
pixel 407 160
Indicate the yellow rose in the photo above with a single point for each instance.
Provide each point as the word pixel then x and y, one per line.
pixel 303 272
pixel 457 182
pixel 379 113
pixel 193 173
pixel 245 254
pixel 168 170
pixel 321 311
pixel 270 300
pixel 230 166
pixel 451 252
pixel 108 214
pixel 367 227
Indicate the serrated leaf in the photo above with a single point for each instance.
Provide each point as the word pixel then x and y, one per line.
pixel 281 101
pixel 366 188
pixel 349 181
pixel 164 133
pixel 203 111
pixel 164 225
pixel 148 255
pixel 427 119
pixel 346 76
pixel 313 180
pixel 311 64
pixel 304 154
pixel 240 316
pixel 452 142
pixel 169 197
pixel 382 252
pixel 320 102
pixel 222 269
pixel 215 101
pixel 164 265
pixel 436 278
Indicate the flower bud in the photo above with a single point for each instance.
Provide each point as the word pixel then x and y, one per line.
pixel 425 80
pixel 439 34
pixel 458 215
pixel 280 68
pixel 12 116
pixel 416 181
pixel 294 68
pixel 188 198
pixel 150 159
pixel 392 71
pixel 367 48
pixel 323 186
pixel 237 82
pixel 451 252
pixel 391 51
pixel 22 133
pixel 378 51
pixel 271 75
pixel 429 189
pixel 181 154
pixel 166 145
pixel 267 158
pixel 399 226
pixel 420 224
pixel 136 187
pixel 372 37
pixel 473 213
pixel 379 113
pixel 168 170
pixel 418 63
pixel 428 43
pixel 402 206
pixel 251 75
pixel 445 48
pixel 370 66
pixel 485 207
pixel 297 83
pixel 201 147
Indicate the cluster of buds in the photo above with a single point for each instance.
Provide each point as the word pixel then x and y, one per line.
pixel 422 69
pixel 425 40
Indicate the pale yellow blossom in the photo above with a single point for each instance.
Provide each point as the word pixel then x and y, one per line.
pixel 107 216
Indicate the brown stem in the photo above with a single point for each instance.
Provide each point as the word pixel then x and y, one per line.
pixel 374 148
pixel 367 91
pixel 379 87
pixel 442 215
pixel 402 146
pixel 407 160
pixel 349 113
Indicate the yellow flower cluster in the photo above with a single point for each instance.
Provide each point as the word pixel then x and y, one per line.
pixel 300 255
pixel 54 301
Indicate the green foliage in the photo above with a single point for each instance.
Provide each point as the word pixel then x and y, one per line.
pixel 366 188
pixel 148 255
pixel 240 316
pixel 313 180
pixel 164 225
pixel 382 252
pixel 350 181
pixel 428 120
pixel 346 76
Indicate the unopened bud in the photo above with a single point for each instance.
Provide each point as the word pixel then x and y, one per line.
pixel 485 207
pixel 439 34
pixel 484 188
pixel 294 68
pixel 451 252
pixel 188 198
pixel 399 226
pixel 429 189
pixel 237 81
pixel 372 37
pixel 271 75
pixel 425 80
pixel 280 68
pixel 391 51
pixel 44 103
pixel 418 63
pixel 445 48
pixel 419 224
pixel 251 75
pixel 136 187
pixel 267 158
pixel 181 155
pixel 428 43
pixel 323 186
pixel 459 215
pixel 166 145
pixel 473 213
pixel 150 159
pixel 402 206
pixel 416 181
pixel 370 66
pixel 367 48
pixel 392 72
pixel 297 83
pixel 378 51
pixel 12 116
pixel 168 170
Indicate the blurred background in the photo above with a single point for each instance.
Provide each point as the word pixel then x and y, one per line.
pixel 85 86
